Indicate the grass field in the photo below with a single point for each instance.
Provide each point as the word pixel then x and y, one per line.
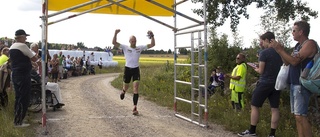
pixel 157 84
pixel 152 59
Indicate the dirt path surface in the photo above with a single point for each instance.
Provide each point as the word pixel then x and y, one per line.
pixel 93 109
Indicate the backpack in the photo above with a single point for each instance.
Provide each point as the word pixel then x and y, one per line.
pixel 312 81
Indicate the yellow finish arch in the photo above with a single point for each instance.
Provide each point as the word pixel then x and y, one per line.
pixel 142 6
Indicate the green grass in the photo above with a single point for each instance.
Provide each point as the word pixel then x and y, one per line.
pixel 6 120
pixel 152 59
pixel 145 61
pixel 157 85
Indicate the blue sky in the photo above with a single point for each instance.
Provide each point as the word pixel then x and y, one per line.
pixel 98 29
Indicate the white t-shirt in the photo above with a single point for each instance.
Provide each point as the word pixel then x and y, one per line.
pixel 100 62
pixel 6 43
pixel 23 48
pixel 215 83
pixel 132 55
pixel 68 62
pixel 91 57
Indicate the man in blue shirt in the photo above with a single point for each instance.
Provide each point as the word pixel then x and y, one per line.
pixel 269 66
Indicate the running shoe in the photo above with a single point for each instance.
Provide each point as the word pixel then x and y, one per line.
pixel 22 125
pixel 247 134
pixel 135 111
pixel 122 95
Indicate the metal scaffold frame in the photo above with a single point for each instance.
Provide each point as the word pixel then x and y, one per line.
pixel 201 50
pixel 198 81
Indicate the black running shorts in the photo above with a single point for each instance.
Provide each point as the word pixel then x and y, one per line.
pixel 131 73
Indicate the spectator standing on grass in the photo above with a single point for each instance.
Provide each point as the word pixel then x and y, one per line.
pixel 92 56
pixel 88 64
pixel 132 71
pixel 6 41
pixel 92 59
pixel 4 55
pixel 4 76
pixel 81 63
pixel 20 56
pixel 269 66
pixel 64 66
pixel 60 58
pixel 55 68
pixel 238 82
pixel 1 44
pixel 69 65
pixel 47 65
pixel 100 64
pixel 303 53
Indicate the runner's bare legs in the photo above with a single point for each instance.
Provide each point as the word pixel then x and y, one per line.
pixel 135 97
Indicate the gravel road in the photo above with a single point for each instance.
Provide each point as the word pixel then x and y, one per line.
pixel 93 109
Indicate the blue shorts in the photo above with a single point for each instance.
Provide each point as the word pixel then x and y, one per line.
pixel 299 100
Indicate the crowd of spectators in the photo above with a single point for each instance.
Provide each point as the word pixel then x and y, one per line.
pixel 57 67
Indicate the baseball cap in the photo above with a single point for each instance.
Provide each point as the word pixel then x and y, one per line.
pixel 21 32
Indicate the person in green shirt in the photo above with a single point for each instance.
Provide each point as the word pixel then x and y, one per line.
pixel 238 82
pixel 4 55
pixel 4 77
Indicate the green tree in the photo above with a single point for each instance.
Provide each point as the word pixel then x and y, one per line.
pixel 220 53
pixel 98 48
pixel 238 41
pixel 220 10
pixel 252 52
pixel 183 51
pixel 169 51
pixel 162 51
pixel 280 27
pixel 81 45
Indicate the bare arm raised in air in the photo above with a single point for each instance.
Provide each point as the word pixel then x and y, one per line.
pixel 151 36
pixel 114 41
